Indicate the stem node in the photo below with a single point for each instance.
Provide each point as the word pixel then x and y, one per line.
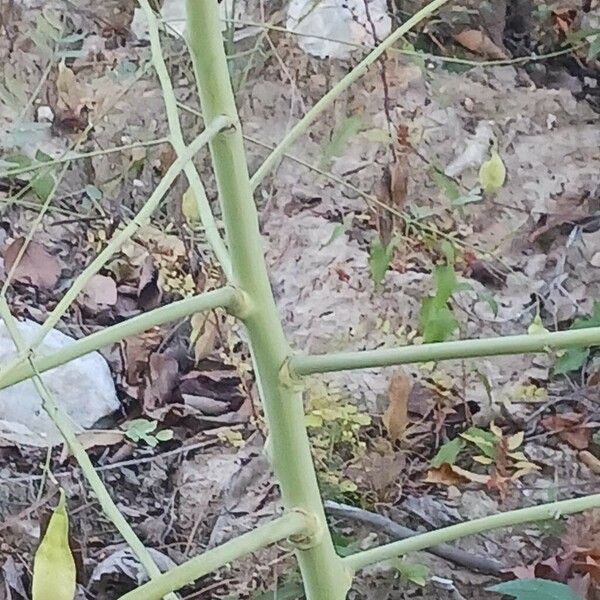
pixel 312 535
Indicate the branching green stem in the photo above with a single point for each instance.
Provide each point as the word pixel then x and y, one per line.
pixel 552 510
pixel 385 357
pixel 63 424
pixel 290 524
pixel 323 573
pixel 218 124
pixel 170 100
pixel 227 298
pixel 325 102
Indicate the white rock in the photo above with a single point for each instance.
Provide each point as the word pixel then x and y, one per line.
pixel 344 23
pixel 174 14
pixel 45 114
pixel 84 388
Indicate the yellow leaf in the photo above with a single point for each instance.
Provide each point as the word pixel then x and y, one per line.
pixel 204 334
pixel 189 207
pixel 514 441
pixel 492 174
pixel 496 430
pixel 537 327
pixel 483 460
pixel 518 456
pixel 53 565
pixel 475 477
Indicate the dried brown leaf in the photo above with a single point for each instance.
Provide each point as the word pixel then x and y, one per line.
pixel 204 334
pixel 590 461
pixel 479 43
pixel 149 293
pixel 100 290
pixel 395 417
pixel 453 475
pixel 570 428
pixel 100 437
pixel 36 267
pixel 162 380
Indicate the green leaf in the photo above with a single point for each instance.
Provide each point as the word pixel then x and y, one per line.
pixel 189 206
pixel 592 320
pixel 449 252
pixel 437 321
pixel 572 360
pixel 492 174
pixel 594 48
pixel 445 282
pixel 19 160
pixel 448 453
pixel 43 185
pixel 141 429
pixel 486 296
pixel 344 545
pixel 337 231
pixel 164 435
pixel 446 184
pixel 535 589
pixel 439 325
pixel 92 192
pixel 484 440
pixel 340 138
pixel 537 327
pixel 411 572
pixel 380 259
pixel 54 570
pixel 468 198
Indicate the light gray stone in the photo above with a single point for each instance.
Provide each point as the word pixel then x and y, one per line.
pixel 84 388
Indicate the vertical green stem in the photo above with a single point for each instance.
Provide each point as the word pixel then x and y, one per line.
pixel 204 211
pixel 325 577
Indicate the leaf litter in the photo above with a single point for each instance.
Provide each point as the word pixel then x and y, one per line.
pixel 529 247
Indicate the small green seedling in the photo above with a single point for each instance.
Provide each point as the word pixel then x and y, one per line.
pixel 145 430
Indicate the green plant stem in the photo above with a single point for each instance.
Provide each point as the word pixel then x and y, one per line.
pixel 274 157
pixel 115 243
pixel 226 298
pixel 422 541
pixel 63 424
pixel 369 198
pixel 204 211
pixel 322 570
pixel 414 53
pixel 79 155
pixel 291 523
pixel 385 357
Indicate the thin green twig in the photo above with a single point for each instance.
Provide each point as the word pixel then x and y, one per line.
pixel 80 155
pixel 63 424
pixel 416 53
pixel 325 102
pixel 552 510
pixel 206 216
pixel 120 237
pixel 289 524
pixel 309 364
pixel 226 298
